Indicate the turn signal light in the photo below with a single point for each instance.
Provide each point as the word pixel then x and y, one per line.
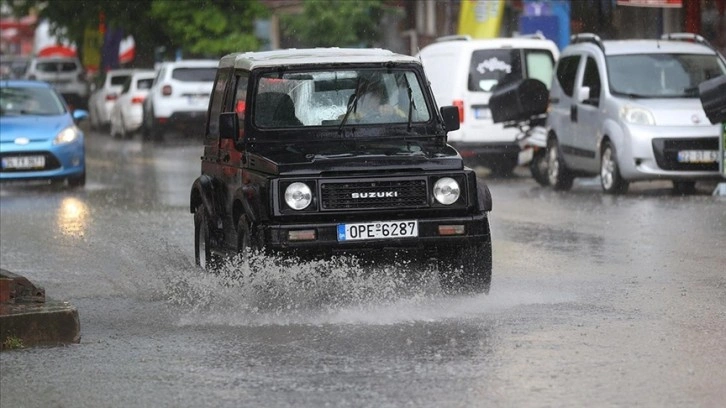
pixel 451 230
pixel 302 235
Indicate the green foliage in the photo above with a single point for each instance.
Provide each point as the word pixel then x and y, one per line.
pixel 210 28
pixel 12 343
pixel 334 23
pixel 199 27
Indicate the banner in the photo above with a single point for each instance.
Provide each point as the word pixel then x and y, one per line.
pixel 652 3
pixel 481 18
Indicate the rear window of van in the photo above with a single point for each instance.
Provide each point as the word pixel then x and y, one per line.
pixel 491 67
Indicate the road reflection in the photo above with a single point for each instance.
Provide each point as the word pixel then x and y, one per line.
pixel 72 217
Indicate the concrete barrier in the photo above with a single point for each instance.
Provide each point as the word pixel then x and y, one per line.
pixel 28 319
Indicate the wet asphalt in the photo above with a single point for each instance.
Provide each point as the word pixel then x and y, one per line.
pixel 595 301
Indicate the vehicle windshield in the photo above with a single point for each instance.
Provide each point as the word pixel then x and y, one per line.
pixel 29 101
pixel 338 98
pixel 661 75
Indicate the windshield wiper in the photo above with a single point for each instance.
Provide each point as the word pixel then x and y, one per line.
pixel 351 106
pixel 411 105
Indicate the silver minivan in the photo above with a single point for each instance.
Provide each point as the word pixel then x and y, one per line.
pixel 629 110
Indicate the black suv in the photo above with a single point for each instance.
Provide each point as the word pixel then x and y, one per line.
pixel 325 151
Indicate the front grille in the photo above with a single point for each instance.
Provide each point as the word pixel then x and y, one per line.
pixel 374 194
pixel 51 162
pixel 666 153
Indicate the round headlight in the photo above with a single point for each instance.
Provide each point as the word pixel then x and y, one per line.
pixel 298 196
pixel 446 191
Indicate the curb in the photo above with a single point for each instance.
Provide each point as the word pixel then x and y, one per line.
pixel 27 319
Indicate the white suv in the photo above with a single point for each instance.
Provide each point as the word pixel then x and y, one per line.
pixel 629 110
pixel 179 97
pixel 463 72
pixel 66 74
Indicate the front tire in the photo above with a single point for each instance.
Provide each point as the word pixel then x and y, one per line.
pixel 610 179
pixel 684 187
pixel 203 256
pixel 538 167
pixel 77 181
pixel 557 174
pixel 466 269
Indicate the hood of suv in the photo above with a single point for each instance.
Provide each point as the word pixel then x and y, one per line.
pixel 676 112
pixel 358 159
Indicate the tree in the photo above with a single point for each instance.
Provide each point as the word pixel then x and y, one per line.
pixel 333 23
pixel 199 27
pixel 210 28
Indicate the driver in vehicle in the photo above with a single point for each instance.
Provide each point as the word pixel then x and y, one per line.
pixel 372 106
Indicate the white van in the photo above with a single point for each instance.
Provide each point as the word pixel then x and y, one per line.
pixel 463 73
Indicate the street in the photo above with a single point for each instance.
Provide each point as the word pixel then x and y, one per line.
pixel 596 300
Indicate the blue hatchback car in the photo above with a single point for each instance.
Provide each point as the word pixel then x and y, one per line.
pixel 39 139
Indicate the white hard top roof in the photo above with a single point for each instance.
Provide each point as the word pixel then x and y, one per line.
pixel 312 56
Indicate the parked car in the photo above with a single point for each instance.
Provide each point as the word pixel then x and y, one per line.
pixel 292 165
pixel 464 72
pixel 13 66
pixel 66 74
pixel 39 137
pixel 179 97
pixel 128 111
pixel 629 110
pixel 107 89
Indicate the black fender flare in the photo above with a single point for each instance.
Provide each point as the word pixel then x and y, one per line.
pixel 484 196
pixel 203 193
pixel 248 200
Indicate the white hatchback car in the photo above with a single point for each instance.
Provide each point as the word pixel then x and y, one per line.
pixel 128 112
pixel 179 97
pixel 102 99
pixel 464 72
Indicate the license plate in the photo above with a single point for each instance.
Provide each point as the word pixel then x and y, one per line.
pixel 197 99
pixel 697 156
pixel 482 113
pixel 24 162
pixel 377 230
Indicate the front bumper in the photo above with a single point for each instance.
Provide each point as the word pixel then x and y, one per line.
pixel 652 152
pixel 476 227
pixel 60 162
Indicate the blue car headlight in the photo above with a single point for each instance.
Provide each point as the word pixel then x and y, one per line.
pixel 67 135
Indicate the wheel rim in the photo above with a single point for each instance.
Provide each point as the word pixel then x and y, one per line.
pixel 607 169
pixel 553 164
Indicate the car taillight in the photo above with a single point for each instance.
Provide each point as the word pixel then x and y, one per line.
pixel 166 90
pixel 82 76
pixel 460 104
pixel 137 99
pixel 111 97
pixel 32 77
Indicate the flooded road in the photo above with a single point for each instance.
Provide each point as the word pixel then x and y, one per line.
pixel 595 301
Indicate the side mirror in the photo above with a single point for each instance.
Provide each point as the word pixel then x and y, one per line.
pixel 228 125
pixel 79 115
pixel 713 98
pixel 450 114
pixel 584 94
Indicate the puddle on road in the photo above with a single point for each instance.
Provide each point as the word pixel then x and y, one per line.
pixel 337 291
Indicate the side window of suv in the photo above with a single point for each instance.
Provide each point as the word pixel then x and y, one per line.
pixel 216 104
pixel 240 97
pixel 592 80
pixel 566 72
